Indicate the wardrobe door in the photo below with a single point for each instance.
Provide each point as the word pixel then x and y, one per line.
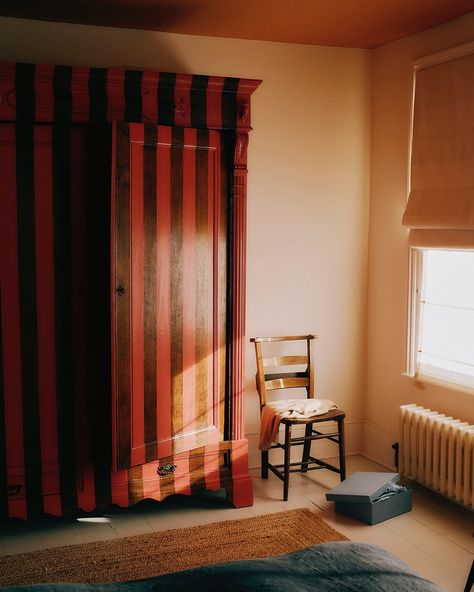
pixel 168 291
pixel 50 321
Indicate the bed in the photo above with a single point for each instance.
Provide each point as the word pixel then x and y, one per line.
pixel 327 567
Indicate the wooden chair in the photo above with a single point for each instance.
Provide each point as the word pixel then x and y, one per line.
pixel 269 381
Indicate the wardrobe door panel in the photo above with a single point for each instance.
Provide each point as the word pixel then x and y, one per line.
pixel 168 242
pixel 44 293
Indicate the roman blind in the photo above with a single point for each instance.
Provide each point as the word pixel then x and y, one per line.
pixel 440 208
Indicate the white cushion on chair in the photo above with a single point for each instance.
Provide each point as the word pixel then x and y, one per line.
pixel 274 412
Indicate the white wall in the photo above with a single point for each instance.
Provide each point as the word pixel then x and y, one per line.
pixel 388 252
pixel 308 191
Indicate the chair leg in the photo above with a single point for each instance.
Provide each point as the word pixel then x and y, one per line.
pixel 470 579
pixel 342 455
pixel 286 468
pixel 264 464
pixel 306 448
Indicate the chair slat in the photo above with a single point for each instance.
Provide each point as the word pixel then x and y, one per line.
pixel 279 375
pixel 279 383
pixel 283 338
pixel 285 361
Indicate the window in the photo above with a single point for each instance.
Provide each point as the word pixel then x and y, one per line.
pixel 442 323
pixel 440 217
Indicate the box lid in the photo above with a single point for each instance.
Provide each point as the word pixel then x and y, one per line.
pixel 361 486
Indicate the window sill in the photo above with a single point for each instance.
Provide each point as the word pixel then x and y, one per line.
pixel 420 381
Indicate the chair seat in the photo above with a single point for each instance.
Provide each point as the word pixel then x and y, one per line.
pixel 332 415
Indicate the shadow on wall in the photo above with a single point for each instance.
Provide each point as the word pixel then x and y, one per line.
pixel 102 45
pixel 162 16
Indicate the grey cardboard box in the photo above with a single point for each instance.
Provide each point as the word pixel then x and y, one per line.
pixel 357 497
pixel 361 486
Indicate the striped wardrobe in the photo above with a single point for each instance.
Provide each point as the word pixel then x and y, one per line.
pixel 123 207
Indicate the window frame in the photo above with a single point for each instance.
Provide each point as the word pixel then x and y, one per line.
pixel 415 277
pixel 414 320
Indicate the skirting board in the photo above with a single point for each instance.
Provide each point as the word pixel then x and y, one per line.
pixel 377 445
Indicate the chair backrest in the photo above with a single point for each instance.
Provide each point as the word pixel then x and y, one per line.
pixel 275 378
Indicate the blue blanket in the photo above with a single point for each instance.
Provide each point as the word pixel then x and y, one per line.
pixel 328 567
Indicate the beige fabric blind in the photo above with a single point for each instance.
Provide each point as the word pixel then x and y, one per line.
pixel 447 239
pixel 442 162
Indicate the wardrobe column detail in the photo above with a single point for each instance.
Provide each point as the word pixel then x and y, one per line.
pixel 239 213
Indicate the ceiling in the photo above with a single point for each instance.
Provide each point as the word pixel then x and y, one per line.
pixel 342 23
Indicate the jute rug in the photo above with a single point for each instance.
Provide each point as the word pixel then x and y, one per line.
pixel 148 555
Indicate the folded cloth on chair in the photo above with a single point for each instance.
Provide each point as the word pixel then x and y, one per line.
pixel 274 412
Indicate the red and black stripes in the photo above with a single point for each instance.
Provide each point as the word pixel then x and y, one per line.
pixel 199 85
pixel 45 316
pixel 120 289
pixel 55 425
pixel 228 190
pixel 206 279
pixel 176 277
pixel 26 248
pixel 27 365
pixel 97 89
pixel 168 252
pixel 63 311
pixel 65 94
pixel 133 95
pixel 229 104
pixel 11 336
pixel 166 100
pixel 3 442
pixel 163 343
pixel 25 95
pixel 97 252
pixel 150 308
pixel 45 304
pixel 62 89
pixel 225 324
